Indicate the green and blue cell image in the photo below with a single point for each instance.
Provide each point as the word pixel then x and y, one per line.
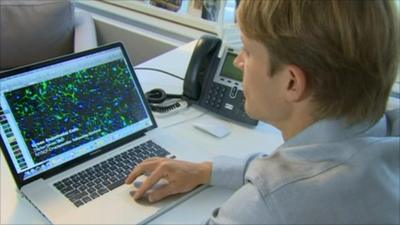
pixel 57 115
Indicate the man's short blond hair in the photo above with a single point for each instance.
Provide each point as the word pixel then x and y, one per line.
pixel 349 50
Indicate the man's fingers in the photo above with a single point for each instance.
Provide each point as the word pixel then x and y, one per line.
pixel 139 170
pixel 144 167
pixel 148 183
pixel 152 159
pixel 161 193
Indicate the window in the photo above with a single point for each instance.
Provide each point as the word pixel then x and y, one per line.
pixel 205 16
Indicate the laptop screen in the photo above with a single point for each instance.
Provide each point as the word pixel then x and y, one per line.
pixel 57 112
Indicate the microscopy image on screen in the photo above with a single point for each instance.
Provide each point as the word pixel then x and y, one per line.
pixel 57 115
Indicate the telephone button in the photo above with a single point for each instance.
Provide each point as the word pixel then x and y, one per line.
pixel 234 92
pixel 228 106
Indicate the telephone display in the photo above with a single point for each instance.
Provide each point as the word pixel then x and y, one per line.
pixel 214 82
pixel 229 70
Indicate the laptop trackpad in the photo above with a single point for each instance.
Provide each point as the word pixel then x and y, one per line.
pixel 117 207
pixel 136 185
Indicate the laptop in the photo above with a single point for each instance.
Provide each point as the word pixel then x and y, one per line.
pixel 72 129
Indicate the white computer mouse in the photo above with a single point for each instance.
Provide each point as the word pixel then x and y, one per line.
pixel 216 129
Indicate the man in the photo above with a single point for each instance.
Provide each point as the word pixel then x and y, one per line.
pixel 321 72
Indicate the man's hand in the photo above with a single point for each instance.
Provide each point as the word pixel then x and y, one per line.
pixel 181 177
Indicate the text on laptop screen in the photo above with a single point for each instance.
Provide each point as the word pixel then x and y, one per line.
pixel 57 113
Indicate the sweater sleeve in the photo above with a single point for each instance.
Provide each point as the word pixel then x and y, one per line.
pixel 228 172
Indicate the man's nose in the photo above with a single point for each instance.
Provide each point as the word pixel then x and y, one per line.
pixel 238 63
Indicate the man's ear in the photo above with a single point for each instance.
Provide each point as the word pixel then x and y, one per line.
pixel 296 83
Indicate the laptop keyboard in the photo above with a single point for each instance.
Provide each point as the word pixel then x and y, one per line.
pixel 103 177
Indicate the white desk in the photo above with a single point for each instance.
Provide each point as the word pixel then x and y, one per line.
pixel 241 141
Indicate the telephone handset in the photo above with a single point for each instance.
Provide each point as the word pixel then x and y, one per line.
pixel 213 82
pixel 204 54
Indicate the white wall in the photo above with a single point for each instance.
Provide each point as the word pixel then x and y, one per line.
pixel 143 36
pixel 140 46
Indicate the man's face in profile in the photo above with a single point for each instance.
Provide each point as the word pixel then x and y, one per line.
pixel 263 92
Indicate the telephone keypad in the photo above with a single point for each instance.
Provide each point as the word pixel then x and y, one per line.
pixel 215 95
pixel 226 101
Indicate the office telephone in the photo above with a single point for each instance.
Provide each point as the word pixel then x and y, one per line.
pixel 213 82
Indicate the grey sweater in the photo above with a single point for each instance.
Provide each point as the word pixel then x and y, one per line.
pixel 329 173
